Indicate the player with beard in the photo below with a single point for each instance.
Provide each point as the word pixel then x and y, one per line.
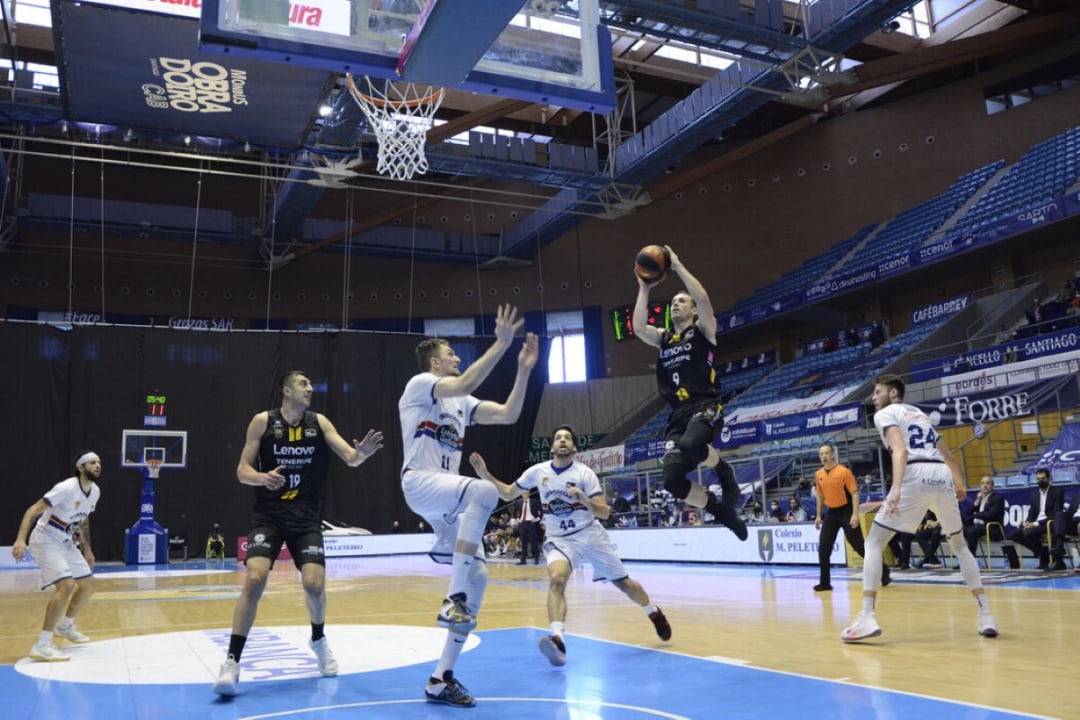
pixel 571 499
pixel 65 565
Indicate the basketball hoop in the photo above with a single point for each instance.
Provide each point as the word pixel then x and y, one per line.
pixel 153 467
pixel 400 115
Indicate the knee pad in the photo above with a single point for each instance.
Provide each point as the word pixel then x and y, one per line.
pixel 482 494
pixel 676 466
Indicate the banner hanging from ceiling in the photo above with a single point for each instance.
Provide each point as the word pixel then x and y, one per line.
pixel 144 70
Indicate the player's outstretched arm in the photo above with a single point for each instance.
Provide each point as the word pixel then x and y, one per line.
pixel 507 324
pixel 355 453
pixel 506 491
pixel 246 472
pixel 645 332
pixel 492 413
pixel 706 316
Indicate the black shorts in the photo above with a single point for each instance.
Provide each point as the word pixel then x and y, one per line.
pixel 304 540
pixel 681 415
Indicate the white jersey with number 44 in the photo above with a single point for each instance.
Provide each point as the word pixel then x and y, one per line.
pixel 920 437
pixel 564 511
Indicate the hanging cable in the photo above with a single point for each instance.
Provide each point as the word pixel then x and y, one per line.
pixel 270 259
pixel 476 259
pixel 347 265
pixel 581 304
pixel 412 261
pixel 195 242
pixel 71 241
pixel 102 234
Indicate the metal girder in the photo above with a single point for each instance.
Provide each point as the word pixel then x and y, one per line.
pixel 683 21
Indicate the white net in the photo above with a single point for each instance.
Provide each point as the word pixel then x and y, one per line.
pixel 400 114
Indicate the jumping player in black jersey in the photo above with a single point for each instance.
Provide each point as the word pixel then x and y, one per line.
pixel 686 378
pixel 285 458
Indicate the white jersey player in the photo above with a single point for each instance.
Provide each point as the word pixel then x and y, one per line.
pixel 926 476
pixel 435 409
pixel 572 500
pixel 65 565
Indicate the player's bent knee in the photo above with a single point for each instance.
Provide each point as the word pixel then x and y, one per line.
pixel 483 494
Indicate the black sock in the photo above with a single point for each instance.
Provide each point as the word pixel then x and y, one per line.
pixel 236 646
pixel 316 631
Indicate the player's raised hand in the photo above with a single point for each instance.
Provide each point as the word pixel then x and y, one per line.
pixel 530 352
pixel 507 323
pixel 371 443
pixel 479 465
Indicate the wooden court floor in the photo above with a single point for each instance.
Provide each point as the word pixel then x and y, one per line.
pixel 754 616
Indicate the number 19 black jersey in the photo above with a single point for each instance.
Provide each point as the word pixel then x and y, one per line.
pixel 303 452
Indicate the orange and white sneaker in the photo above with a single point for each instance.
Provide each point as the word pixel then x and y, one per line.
pixel 864 627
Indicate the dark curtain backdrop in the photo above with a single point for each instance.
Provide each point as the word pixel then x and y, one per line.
pixel 77 389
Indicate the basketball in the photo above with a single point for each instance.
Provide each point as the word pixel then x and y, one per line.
pixel 652 263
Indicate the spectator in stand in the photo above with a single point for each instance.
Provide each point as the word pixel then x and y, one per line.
pixel 829 345
pixel 1074 304
pixel 1003 335
pixel 852 337
pixel 757 513
pixel 775 513
pixel 1010 354
pixel 796 512
pixel 1045 503
pixel 1065 294
pixel 1066 523
pixel 928 535
pixel 877 335
pixel 900 544
pixel 804 488
pixel 987 507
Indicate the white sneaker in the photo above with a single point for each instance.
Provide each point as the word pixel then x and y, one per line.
pixel 987 626
pixel 228 678
pixel 47 653
pixel 553 649
pixel 327 662
pixel 71 634
pixel 864 626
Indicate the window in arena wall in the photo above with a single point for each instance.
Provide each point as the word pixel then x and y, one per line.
pixel 566 361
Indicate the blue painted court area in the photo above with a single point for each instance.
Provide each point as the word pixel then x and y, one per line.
pixel 503 671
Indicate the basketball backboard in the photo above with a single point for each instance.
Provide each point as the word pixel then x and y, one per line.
pixel 561 56
pixel 169 447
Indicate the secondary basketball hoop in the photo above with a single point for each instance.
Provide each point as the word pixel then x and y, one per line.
pixel 400 114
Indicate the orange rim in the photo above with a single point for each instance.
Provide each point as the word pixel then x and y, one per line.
pixel 382 103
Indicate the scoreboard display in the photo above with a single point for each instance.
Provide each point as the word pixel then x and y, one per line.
pixel 623 323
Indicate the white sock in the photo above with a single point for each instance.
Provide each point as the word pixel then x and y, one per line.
pixel 868 605
pixel 65 623
pixel 452 648
pixel 459 576
pixel 45 638
pixel 558 629
pixel 650 609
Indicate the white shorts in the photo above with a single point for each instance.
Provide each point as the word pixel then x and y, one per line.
pixel 57 559
pixel 592 545
pixel 437 497
pixel 927 486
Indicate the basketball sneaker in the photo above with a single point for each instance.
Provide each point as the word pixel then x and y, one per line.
pixel 663 628
pixel 864 627
pixel 47 653
pixel 726 516
pixel 553 649
pixel 71 634
pixel 327 662
pixel 454 615
pixel 987 626
pixel 228 678
pixel 448 691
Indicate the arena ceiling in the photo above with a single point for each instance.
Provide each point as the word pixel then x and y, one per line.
pixel 306 161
